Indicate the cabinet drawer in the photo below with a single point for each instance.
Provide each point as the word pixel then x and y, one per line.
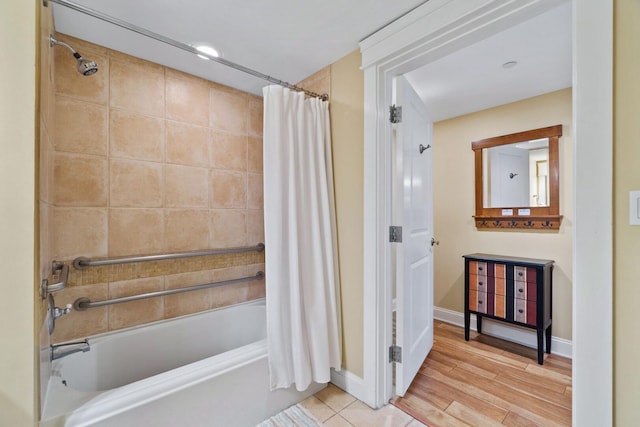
pixel 525 290
pixel 488 303
pixel 478 268
pixel 496 285
pixel 477 283
pixel 525 311
pixel 489 269
pixel 525 274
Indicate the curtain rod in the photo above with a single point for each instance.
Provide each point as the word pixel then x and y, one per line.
pixel 159 37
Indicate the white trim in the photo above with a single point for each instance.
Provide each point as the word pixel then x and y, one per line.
pixel 593 232
pixel 528 337
pixel 348 382
pixel 408 43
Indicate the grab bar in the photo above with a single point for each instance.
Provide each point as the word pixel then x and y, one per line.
pixel 56 268
pixel 84 303
pixel 81 263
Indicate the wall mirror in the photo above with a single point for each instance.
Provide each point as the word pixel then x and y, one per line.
pixel 517 180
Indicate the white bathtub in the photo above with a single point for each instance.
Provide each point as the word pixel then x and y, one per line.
pixel 208 369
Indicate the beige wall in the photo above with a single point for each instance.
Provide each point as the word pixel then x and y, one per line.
pixel 454 201
pixel 626 237
pixel 17 194
pixel 347 133
pixel 143 159
pixel 344 81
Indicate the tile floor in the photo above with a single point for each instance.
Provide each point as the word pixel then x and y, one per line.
pixel 336 408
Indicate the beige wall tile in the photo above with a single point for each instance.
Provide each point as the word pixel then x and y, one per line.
pixel 144 153
pixel 135 184
pixel 122 57
pixel 78 232
pixel 70 82
pixel 136 231
pixel 228 189
pixel 186 230
pixel 81 324
pixel 228 151
pixel 137 86
pixel 186 187
pixel 135 136
pixel 80 180
pixel 229 294
pixel 46 212
pixel 187 144
pixel 256 287
pixel 229 110
pixel 80 127
pixel 45 163
pixel 255 116
pixel 255 227
pixel 136 312
pixel 187 100
pixel 255 191
pixel 254 154
pixel 188 302
pixel 227 228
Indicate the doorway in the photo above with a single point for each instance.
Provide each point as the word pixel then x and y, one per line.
pixel 432 31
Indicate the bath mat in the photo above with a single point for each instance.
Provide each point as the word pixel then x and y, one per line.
pixel 293 416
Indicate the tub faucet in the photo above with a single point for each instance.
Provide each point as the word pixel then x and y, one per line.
pixel 79 346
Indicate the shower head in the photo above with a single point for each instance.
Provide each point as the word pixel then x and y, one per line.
pixel 85 67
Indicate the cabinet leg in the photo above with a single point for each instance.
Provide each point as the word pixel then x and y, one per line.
pixel 540 346
pixel 479 323
pixel 548 339
pixel 467 323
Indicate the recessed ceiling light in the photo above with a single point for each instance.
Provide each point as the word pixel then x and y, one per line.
pixel 510 64
pixel 207 50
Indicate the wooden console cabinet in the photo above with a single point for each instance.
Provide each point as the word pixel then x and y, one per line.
pixel 510 289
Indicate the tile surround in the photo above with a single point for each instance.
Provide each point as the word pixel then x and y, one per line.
pixel 141 159
pixel 148 131
pixel 187 144
pixel 135 183
pixel 91 137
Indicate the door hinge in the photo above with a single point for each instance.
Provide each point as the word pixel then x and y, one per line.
pixel 395 114
pixel 395 234
pixel 395 354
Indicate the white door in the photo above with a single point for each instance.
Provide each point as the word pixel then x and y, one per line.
pixel 414 256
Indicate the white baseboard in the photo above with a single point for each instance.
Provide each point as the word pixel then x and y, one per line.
pixel 351 383
pixel 559 346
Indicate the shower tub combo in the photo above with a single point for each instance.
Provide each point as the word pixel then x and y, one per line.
pixel 206 369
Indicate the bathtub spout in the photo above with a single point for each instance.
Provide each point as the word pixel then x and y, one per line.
pixel 74 347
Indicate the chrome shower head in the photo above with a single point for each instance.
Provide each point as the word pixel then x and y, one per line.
pixel 85 67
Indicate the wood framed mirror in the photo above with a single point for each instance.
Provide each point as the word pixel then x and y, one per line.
pixel 517 180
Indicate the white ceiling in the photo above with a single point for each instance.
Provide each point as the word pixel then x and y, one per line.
pixel 473 79
pixel 285 39
pixel 291 40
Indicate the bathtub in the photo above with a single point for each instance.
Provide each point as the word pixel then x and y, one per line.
pixel 207 369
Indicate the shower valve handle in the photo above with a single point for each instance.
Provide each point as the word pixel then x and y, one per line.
pixel 59 312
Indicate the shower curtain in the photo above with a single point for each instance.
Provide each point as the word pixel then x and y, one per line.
pixel 302 288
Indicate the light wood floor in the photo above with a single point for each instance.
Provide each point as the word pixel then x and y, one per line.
pixel 488 382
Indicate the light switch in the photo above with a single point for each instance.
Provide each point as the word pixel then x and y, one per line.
pixel 634 207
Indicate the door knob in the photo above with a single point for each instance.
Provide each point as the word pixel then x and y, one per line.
pixel 434 241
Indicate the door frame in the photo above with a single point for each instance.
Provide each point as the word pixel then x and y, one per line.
pixel 431 31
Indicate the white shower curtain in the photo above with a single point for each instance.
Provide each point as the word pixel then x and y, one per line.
pixel 303 307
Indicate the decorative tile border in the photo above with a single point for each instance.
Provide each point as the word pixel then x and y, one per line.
pixel 138 270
